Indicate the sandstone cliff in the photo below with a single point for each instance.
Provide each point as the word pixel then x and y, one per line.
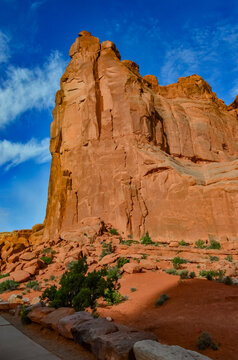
pixel 138 155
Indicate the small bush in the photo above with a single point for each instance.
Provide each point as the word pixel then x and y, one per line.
pixel 214 245
pixel 47 259
pixel 214 258
pixel 106 249
pixel 161 300
pixel 146 239
pixel 200 244
pixel 192 275
pixel 48 251
pixel 24 318
pixel 229 258
pixel 4 275
pixel 133 289
pixel 183 243
pixel 183 274
pixel 205 341
pixel 178 261
pixel 114 232
pixel 144 256
pixel 122 261
pixel 128 242
pixel 52 277
pixel 8 285
pixel 211 274
pixel 33 285
pixel 172 271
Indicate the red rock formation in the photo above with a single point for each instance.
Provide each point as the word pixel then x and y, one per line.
pixel 138 155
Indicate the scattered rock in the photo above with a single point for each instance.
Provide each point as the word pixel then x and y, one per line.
pixel 131 268
pixel 20 275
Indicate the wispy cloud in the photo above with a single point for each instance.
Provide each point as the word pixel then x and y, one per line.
pixel 36 4
pixel 25 89
pixel 4 47
pixel 13 154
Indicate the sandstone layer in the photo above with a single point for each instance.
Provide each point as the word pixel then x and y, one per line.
pixel 137 155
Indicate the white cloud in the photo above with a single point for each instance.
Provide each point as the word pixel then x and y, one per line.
pixel 4 48
pixel 25 89
pixel 36 4
pixel 13 154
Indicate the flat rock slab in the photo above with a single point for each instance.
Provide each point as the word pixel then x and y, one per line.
pixel 51 320
pixel 65 324
pixel 153 350
pixel 17 346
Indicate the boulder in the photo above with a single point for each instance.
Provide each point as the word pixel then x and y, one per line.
pixel 131 268
pixel 66 323
pixel 118 345
pixel 52 319
pixel 20 275
pixel 87 332
pixel 38 313
pixel 27 256
pixel 153 350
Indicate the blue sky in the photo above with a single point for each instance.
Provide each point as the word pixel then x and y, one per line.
pixel 169 39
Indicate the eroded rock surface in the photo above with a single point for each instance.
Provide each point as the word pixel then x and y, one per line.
pixel 138 155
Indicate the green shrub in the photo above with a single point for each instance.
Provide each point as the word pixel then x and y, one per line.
pixel 52 277
pixel 200 244
pixel 114 232
pixel 48 251
pixel 47 259
pixel 122 261
pixel 106 249
pixel 183 243
pixel 172 271
pixel 213 258
pixel 146 239
pixel 205 341
pixel 23 313
pixel 214 245
pixel 161 300
pixel 8 285
pixel 4 275
pixel 183 274
pixel 133 289
pixel 33 285
pixel 128 242
pixel 81 289
pixel 229 258
pixel 192 275
pixel 211 274
pixel 144 256
pixel 178 261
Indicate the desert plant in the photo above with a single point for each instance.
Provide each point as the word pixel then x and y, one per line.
pixel 122 261
pixel 161 300
pixel 214 245
pixel 205 341
pixel 4 275
pixel 114 232
pixel 8 285
pixel 213 258
pixel 178 261
pixel 81 289
pixel 106 249
pixel 146 239
pixel 171 271
pixel 48 251
pixel 52 277
pixel 192 275
pixel 183 243
pixel 23 313
pixel 47 259
pixel 229 258
pixel 200 244
pixel 227 280
pixel 144 256
pixel 34 284
pixel 183 274
pixel 133 289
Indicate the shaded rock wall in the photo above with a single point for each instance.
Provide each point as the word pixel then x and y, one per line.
pixel 138 155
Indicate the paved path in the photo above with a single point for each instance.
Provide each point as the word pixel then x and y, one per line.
pixel 14 345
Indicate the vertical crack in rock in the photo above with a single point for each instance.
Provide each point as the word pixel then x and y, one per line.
pixel 165 144
pixel 98 95
pixel 76 206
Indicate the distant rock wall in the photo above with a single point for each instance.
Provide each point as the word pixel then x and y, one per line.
pixel 138 155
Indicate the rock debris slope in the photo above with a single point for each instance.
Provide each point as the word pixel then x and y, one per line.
pixel 138 155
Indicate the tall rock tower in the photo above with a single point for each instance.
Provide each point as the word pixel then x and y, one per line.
pixel 138 155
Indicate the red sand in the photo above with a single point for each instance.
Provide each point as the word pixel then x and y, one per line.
pixel 195 306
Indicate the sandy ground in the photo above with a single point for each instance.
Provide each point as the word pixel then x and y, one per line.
pixel 194 306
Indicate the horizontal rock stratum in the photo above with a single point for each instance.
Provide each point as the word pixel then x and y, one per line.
pixel 140 156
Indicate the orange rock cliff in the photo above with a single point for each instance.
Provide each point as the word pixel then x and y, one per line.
pixel 137 155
